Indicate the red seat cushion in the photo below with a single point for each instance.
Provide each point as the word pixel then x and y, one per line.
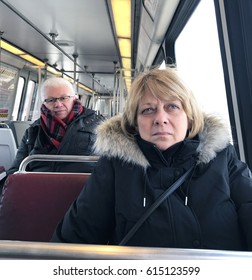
pixel 2 169
pixel 33 203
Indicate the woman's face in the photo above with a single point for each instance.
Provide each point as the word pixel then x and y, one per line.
pixel 161 122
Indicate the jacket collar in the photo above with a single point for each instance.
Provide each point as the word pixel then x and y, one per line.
pixel 111 141
pixel 176 154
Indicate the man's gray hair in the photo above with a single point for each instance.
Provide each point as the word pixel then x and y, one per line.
pixel 54 82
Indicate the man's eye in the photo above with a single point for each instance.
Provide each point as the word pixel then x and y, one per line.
pixel 50 100
pixel 64 98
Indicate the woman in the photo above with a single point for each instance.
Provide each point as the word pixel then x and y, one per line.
pixel 161 134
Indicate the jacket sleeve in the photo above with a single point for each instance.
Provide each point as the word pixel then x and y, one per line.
pixel 21 154
pixel 91 218
pixel 241 194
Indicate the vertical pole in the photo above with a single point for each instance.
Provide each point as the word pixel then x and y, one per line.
pixel 75 56
pixel 93 103
pixel 114 90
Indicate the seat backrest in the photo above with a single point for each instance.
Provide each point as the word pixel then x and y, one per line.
pixel 8 147
pixel 18 128
pixel 32 204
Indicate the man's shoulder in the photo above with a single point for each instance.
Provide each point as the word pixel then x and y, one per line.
pixel 88 121
pixel 35 123
pixel 91 116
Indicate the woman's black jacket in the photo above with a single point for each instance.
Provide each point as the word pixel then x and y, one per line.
pixel 211 210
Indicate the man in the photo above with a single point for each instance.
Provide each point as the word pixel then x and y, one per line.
pixel 65 127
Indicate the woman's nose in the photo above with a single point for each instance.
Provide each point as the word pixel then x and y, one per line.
pixel 161 117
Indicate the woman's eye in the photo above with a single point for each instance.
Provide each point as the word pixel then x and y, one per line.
pixel 172 107
pixel 147 111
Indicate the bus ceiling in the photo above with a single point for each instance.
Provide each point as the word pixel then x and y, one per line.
pixel 80 38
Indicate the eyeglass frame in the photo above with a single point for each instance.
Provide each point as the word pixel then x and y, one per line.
pixel 63 99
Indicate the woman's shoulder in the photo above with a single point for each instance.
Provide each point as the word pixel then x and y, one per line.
pixel 113 143
pixel 214 138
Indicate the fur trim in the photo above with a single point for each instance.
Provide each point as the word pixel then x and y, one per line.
pixel 111 141
pixel 214 138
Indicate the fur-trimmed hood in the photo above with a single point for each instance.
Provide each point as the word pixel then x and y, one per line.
pixel 111 141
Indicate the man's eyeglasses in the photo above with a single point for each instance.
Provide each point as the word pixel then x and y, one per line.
pixel 52 100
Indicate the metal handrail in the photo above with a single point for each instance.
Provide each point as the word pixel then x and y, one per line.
pixel 4 125
pixel 44 250
pixel 66 158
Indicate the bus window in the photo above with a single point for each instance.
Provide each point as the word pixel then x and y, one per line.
pixel 103 105
pixel 8 80
pixel 198 59
pixel 20 88
pixel 33 104
pixel 28 101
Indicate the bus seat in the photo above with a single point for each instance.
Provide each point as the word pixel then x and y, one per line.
pixel 56 158
pixel 2 173
pixel 33 203
pixel 18 128
pixel 8 147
